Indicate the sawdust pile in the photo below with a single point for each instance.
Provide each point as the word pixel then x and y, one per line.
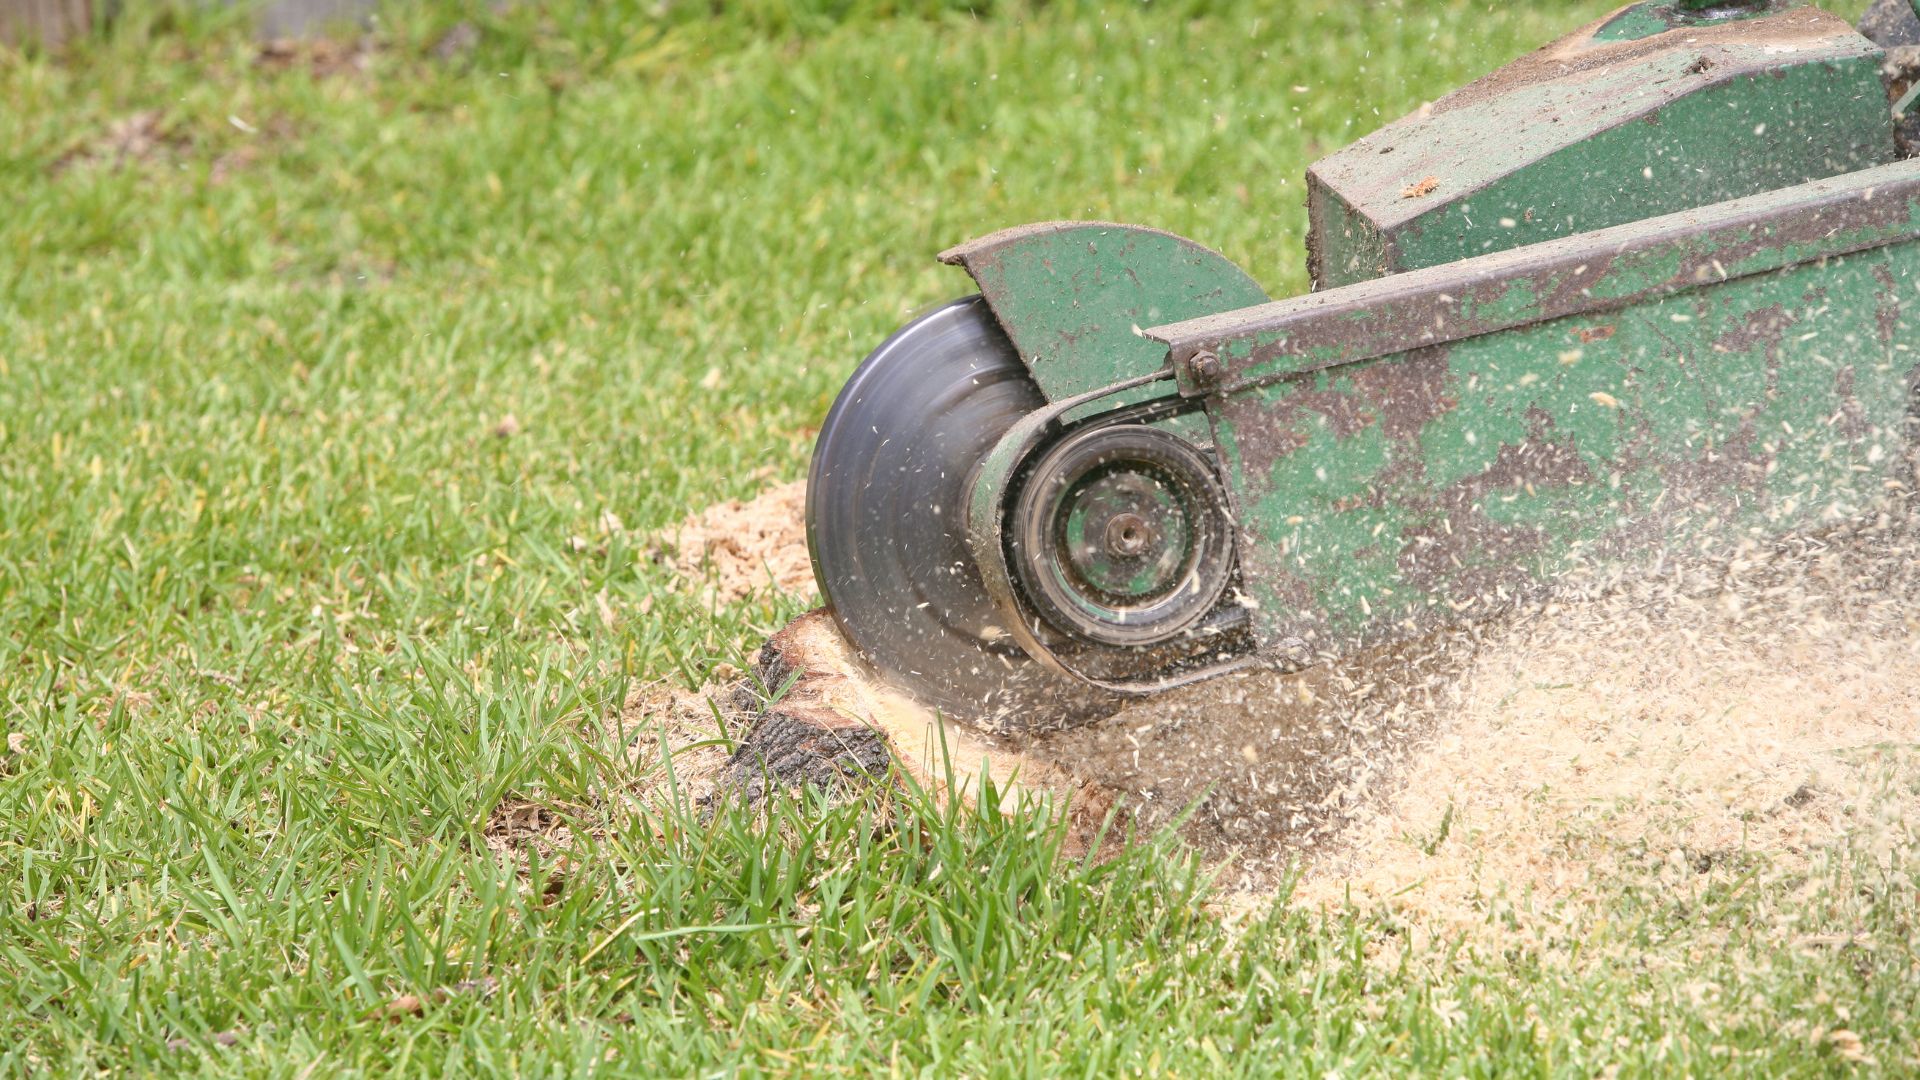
pixel 675 742
pixel 1761 707
pixel 687 732
pixel 739 548
pixel 1765 708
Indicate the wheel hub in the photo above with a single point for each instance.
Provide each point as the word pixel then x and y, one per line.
pixel 1128 535
pixel 1120 536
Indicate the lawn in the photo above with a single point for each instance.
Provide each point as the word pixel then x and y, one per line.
pixel 315 361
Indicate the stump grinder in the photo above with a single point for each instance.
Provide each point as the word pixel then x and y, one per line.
pixel 1651 289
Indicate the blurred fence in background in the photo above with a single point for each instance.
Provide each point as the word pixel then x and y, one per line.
pixel 50 22
pixel 47 21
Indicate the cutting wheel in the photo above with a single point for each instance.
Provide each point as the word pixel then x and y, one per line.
pixel 886 497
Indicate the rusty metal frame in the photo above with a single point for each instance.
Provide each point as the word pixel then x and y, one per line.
pixel 1585 274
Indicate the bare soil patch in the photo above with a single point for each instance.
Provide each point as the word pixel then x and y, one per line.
pixel 137 138
pixel 319 57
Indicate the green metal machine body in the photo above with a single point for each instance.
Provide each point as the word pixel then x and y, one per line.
pixel 1403 450
pixel 1650 290
pixel 1647 112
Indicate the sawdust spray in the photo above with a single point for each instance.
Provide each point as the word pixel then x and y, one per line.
pixel 1765 699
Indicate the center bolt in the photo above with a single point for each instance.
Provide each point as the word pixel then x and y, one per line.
pixel 1128 535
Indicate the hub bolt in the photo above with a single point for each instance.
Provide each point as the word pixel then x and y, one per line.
pixel 1128 535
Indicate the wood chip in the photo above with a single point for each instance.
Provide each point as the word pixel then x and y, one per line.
pixel 740 548
pixel 1424 187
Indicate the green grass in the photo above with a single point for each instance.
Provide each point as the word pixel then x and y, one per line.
pixel 285 615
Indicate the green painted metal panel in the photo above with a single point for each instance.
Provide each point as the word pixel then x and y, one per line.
pixel 1608 268
pixel 1074 296
pixel 1590 133
pixel 1638 21
pixel 1658 16
pixel 1692 153
pixel 1385 496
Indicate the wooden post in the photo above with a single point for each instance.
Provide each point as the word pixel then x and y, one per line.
pixel 307 18
pixel 51 22
pixel 48 22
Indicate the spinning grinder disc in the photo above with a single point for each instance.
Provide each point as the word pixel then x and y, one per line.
pixel 886 499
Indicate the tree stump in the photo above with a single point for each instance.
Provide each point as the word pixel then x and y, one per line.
pixel 830 725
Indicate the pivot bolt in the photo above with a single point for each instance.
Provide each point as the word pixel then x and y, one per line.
pixel 1205 367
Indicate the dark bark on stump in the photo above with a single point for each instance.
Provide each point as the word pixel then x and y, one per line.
pixel 810 735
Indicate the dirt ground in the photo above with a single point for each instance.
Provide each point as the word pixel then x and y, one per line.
pixel 1765 703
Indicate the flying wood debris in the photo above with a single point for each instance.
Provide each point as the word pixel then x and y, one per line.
pixel 1720 712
